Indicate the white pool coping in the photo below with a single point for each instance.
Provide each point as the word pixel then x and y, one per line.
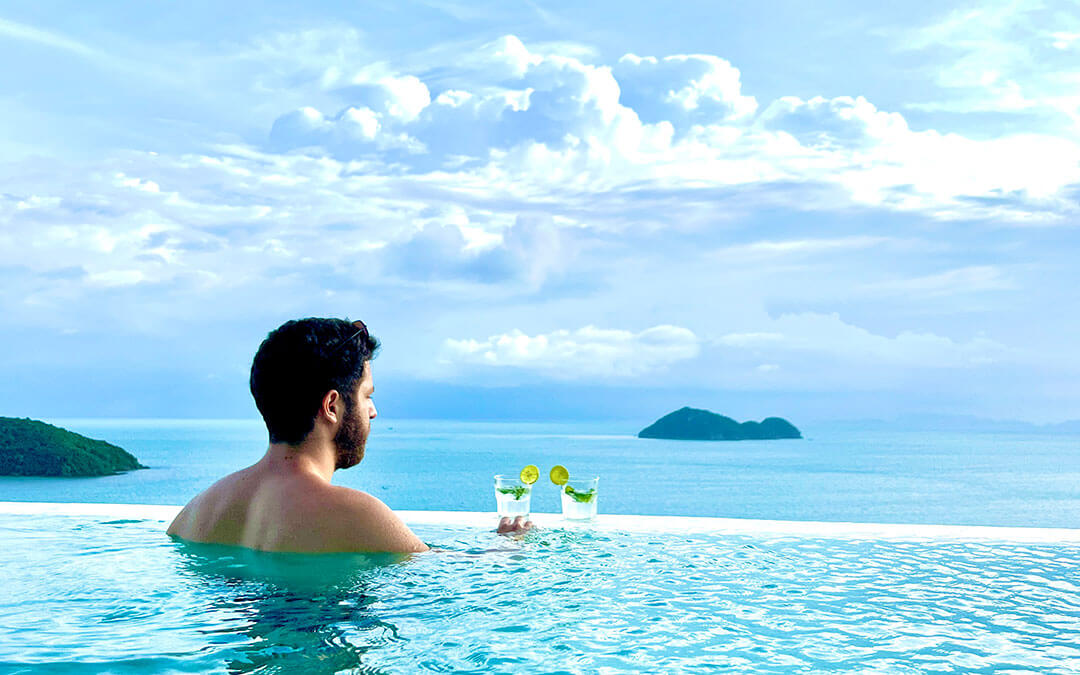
pixel 619 523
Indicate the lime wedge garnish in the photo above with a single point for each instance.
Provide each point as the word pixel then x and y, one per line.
pixel 559 475
pixel 529 474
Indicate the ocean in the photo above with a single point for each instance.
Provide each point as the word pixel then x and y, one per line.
pixel 834 474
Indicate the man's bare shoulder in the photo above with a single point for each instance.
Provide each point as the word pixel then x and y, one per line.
pixel 206 506
pixel 250 509
pixel 368 523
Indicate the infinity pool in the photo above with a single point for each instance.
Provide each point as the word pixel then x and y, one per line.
pixel 97 593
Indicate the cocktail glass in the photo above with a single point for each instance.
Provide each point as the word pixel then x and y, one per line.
pixel 579 498
pixel 512 497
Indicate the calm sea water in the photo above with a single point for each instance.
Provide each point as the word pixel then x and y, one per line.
pixel 833 475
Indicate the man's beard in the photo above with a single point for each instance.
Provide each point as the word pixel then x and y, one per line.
pixel 350 438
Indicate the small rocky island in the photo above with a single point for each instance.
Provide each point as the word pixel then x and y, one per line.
pixel 694 424
pixel 32 448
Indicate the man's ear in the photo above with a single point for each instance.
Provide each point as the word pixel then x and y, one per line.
pixel 331 406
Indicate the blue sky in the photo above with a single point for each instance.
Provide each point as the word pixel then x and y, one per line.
pixel 546 210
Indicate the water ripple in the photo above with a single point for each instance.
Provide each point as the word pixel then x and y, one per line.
pixel 110 595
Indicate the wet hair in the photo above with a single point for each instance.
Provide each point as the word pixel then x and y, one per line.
pixel 295 367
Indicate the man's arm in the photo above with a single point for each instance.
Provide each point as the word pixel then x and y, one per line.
pixel 364 523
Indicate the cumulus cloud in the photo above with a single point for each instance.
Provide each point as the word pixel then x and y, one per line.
pixel 515 98
pixel 843 122
pixel 543 122
pixel 586 352
pixel 683 88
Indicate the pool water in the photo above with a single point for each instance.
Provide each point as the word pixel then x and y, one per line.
pixel 102 594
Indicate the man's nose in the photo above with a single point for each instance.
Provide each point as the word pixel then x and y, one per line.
pixel 372 413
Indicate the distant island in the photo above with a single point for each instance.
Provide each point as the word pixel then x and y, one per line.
pixel 694 424
pixel 32 448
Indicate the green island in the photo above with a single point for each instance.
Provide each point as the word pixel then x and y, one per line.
pixel 694 424
pixel 32 448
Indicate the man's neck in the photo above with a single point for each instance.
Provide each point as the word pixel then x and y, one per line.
pixel 312 456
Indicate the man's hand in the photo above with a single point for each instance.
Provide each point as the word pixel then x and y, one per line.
pixel 517 525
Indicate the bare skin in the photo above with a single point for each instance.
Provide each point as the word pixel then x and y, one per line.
pixel 519 525
pixel 285 501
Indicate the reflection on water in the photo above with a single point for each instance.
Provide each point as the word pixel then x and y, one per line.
pixel 290 612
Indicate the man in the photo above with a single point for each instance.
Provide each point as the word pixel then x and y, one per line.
pixel 312 383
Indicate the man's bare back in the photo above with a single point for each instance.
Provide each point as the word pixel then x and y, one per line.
pixel 266 510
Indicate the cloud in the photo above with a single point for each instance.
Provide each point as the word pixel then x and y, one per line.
pixel 683 88
pixel 881 161
pixel 586 352
pixel 403 97
pixel 530 250
pixel 20 31
pixel 237 221
pixel 795 338
pixel 354 131
pixel 543 124
pixel 440 251
pixel 842 122
pixel 758 251
pixel 971 279
pixel 195 222
pixel 1003 57
pixel 514 97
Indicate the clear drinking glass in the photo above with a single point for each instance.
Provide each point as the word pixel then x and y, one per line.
pixel 512 497
pixel 579 498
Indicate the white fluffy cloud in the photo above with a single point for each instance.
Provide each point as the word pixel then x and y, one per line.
pixel 686 88
pixel 586 352
pixel 841 122
pixel 544 123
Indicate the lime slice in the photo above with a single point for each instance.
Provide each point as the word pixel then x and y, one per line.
pixel 559 475
pixel 529 474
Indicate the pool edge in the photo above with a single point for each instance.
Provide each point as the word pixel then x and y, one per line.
pixel 661 524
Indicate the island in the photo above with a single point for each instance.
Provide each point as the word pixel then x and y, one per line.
pixel 32 448
pixel 694 424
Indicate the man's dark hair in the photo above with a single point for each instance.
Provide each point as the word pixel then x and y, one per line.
pixel 296 366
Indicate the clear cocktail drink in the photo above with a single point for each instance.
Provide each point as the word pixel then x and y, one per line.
pixel 579 498
pixel 512 497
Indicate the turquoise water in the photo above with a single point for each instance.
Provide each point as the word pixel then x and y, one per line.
pixel 86 594
pixel 945 478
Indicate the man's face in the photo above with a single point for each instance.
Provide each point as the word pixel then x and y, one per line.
pixel 356 422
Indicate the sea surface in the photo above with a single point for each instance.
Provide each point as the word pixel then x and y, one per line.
pixel 834 474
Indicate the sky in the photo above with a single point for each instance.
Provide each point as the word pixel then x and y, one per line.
pixel 546 210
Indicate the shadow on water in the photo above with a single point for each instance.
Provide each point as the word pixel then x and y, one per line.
pixel 289 612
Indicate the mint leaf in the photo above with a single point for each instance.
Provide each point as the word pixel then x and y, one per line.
pixel 581 497
pixel 518 491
